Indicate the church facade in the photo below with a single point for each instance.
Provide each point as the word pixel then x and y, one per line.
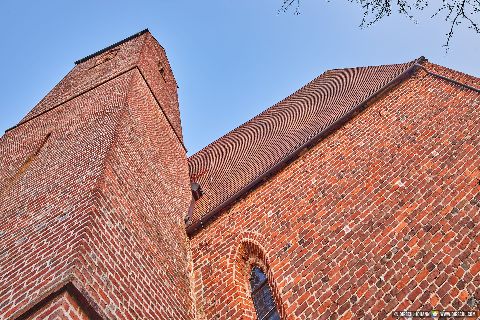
pixel 356 197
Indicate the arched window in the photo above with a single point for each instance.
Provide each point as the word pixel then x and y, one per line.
pixel 262 296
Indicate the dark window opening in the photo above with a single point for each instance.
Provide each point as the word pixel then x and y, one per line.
pixel 262 296
pixel 161 69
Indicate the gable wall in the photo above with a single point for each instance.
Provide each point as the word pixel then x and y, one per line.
pixel 382 215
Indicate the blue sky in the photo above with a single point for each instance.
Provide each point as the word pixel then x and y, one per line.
pixel 231 58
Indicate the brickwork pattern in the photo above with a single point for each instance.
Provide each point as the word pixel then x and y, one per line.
pixel 158 73
pixel 47 208
pixel 63 307
pixel 381 215
pixel 93 190
pixel 230 163
pixel 137 243
pixel 90 74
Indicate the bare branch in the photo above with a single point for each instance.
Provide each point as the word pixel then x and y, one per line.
pixel 287 4
pixel 456 12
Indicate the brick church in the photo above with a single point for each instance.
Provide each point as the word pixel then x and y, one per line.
pixel 354 197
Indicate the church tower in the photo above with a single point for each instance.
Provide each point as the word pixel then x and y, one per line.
pixel 94 188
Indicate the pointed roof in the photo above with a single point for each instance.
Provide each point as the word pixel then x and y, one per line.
pixel 237 162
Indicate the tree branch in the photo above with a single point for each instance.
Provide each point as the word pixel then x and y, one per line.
pixel 456 11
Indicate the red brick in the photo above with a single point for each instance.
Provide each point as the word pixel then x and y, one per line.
pixel 95 186
pixel 376 217
pixel 377 152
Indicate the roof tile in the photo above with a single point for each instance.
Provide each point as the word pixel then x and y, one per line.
pixel 230 163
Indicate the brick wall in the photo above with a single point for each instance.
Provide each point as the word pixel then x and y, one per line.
pixel 64 306
pixel 381 215
pixel 47 208
pixel 93 190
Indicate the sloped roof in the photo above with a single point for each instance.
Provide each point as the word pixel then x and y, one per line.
pixel 227 166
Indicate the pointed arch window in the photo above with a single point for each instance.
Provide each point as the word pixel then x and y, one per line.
pixel 262 296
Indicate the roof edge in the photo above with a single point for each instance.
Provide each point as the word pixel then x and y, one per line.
pixel 458 83
pixel 111 46
pixel 195 227
pixel 419 60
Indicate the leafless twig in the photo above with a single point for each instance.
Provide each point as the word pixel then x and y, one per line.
pixel 287 4
pixel 456 12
